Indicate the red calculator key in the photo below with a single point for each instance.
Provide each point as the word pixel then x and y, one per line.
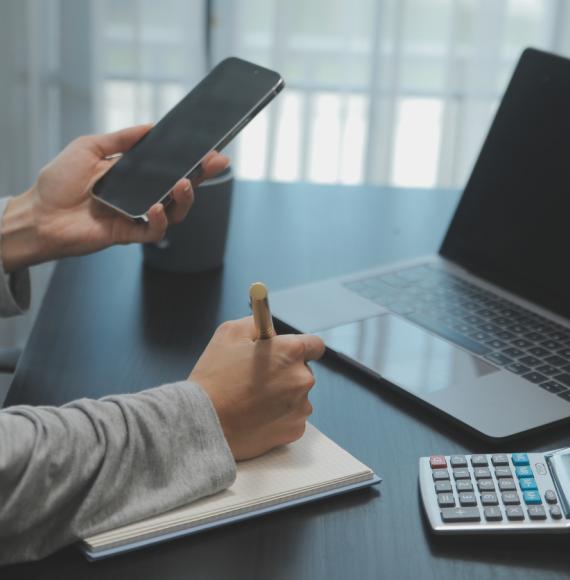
pixel 437 461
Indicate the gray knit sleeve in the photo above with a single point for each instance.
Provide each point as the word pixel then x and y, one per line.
pixel 14 287
pixel 92 465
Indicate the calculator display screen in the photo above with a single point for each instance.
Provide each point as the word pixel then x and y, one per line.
pixel 559 463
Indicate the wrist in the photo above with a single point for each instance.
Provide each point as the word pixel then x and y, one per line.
pixel 21 242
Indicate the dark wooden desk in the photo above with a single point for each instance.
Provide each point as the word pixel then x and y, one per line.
pixel 108 325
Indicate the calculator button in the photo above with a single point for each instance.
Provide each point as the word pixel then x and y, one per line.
pixel 479 461
pixel 515 513
pixel 528 483
pixel 550 496
pixel 437 461
pixel 445 500
pixel 500 459
pixel 510 498
pixel 462 514
pixel 458 461
pixel 461 474
pixel 486 485
pixel 442 487
pixel 519 458
pixel 501 472
pixel 540 469
pixel 531 497
pixel 536 512
pixel 555 512
pixel 507 484
pixel 464 485
pixel 439 474
pixel 467 499
pixel 489 499
pixel 493 514
pixel 523 471
pixel 482 473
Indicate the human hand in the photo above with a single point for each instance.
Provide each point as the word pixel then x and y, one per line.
pixel 58 217
pixel 259 388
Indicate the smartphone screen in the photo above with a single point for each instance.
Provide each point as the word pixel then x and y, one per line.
pixel 207 118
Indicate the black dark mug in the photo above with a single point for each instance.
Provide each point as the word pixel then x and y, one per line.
pixel 198 242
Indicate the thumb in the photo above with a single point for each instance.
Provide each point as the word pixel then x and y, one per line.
pixel 120 141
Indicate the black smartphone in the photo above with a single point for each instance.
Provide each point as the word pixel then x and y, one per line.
pixel 206 119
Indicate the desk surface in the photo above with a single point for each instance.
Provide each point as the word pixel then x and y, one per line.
pixel 108 325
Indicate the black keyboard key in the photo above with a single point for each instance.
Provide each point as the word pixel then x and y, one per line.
pixel 552 387
pixel 547 370
pixel 550 496
pixel 535 377
pixel 530 361
pixel 565 395
pixel 517 368
pixel 513 352
pixel 551 344
pixel 496 343
pixel 462 514
pixel 499 358
pixel 518 328
pixel 503 471
pixel 534 336
pixel 559 335
pixel 565 352
pixel 505 335
pixel 538 351
pixel 479 336
pixel 563 378
pixel 555 360
pixel 467 499
pixel 493 514
pixel 449 334
pixel 522 343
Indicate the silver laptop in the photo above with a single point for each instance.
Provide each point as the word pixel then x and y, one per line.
pixel 482 330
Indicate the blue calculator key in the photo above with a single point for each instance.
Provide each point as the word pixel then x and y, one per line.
pixel 531 497
pixel 524 471
pixel 528 483
pixel 519 458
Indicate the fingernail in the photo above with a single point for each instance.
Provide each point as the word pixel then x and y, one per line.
pixel 187 186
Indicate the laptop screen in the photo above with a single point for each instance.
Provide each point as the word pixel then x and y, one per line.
pixel 512 224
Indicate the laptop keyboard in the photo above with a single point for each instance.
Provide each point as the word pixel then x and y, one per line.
pixel 477 320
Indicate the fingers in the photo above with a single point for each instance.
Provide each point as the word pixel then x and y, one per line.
pixel 183 198
pixel 120 141
pixel 128 232
pixel 212 164
pixel 242 328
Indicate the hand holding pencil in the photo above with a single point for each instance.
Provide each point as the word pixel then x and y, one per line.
pixel 259 388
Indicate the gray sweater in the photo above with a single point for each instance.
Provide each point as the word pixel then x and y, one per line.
pixel 92 465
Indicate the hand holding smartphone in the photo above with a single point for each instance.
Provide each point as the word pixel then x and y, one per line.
pixel 207 119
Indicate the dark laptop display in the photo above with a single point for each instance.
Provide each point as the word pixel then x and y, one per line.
pixel 511 226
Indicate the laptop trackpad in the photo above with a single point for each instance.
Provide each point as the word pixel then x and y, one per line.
pixel 405 354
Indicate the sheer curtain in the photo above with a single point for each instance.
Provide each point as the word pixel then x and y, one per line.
pixel 396 92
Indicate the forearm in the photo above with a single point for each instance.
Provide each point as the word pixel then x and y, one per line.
pixel 66 473
pixel 22 245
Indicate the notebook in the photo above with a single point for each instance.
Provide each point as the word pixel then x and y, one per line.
pixel 311 468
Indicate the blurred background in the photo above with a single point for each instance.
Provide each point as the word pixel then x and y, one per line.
pixel 392 92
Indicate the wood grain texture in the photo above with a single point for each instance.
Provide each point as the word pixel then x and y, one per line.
pixel 109 325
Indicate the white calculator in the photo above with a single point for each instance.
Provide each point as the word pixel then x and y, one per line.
pixel 497 493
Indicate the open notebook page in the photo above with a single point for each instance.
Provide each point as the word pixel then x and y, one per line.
pixel 310 465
